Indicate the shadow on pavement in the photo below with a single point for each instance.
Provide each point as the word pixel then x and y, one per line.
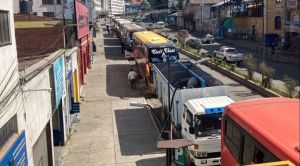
pixel 160 161
pixel 137 135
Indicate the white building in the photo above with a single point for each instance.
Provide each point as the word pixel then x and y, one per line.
pixel 114 7
pixel 47 8
pixel 12 115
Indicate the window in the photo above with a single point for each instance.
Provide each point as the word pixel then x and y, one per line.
pixel 58 1
pixel 277 1
pixel 8 130
pixel 48 14
pixel 278 23
pixel 189 118
pixel 4 28
pixel 47 2
pixel 232 138
pixel 244 148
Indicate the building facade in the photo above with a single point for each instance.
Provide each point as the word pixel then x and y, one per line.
pixel 12 113
pixel 46 8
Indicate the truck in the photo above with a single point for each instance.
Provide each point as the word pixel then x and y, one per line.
pixel 197 102
pixel 228 54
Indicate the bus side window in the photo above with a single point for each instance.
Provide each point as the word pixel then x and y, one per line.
pixel 254 154
pixel 248 150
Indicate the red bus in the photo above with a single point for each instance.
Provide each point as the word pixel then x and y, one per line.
pixel 261 131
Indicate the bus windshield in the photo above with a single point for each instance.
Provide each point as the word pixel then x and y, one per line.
pixel 208 124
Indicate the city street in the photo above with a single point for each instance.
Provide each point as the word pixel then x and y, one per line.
pixel 281 67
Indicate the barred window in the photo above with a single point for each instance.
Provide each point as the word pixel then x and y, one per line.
pixel 48 14
pixel 4 28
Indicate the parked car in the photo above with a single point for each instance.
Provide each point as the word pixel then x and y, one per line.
pixel 183 33
pixel 160 25
pixel 228 54
pixel 208 39
pixel 193 43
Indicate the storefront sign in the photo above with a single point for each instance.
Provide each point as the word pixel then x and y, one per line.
pixel 58 79
pixel 75 108
pixel 291 4
pixel 291 26
pixel 17 155
pixel 81 19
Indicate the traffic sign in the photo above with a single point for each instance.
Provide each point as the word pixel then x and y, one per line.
pixel 179 156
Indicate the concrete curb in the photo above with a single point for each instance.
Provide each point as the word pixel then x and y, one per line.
pixel 250 84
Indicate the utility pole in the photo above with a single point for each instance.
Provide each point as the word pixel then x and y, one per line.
pixel 264 29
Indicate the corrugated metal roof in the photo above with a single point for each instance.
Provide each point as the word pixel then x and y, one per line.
pixel 37 24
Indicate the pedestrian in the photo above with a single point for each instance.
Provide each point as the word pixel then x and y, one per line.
pixel 273 48
pixel 132 78
pixel 107 28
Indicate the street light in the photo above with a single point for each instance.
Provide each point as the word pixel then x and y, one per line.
pixel 170 104
pixel 169 122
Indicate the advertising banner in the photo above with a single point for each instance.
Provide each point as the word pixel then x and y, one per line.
pixel 82 19
pixel 17 154
pixel 58 80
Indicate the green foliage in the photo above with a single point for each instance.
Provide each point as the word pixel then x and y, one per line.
pixel 233 67
pixel 209 55
pixel 250 65
pixel 219 61
pixel 181 40
pixel 290 85
pixel 267 73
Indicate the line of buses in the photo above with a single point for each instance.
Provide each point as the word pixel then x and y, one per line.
pixel 253 132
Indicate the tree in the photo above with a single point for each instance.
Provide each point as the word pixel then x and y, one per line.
pixel 250 63
pixel 267 73
pixel 290 85
pixel 188 13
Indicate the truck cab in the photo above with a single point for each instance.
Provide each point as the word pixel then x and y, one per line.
pixel 201 123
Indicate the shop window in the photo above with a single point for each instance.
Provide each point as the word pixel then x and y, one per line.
pixel 4 28
pixel 278 23
pixel 47 2
pixel 48 14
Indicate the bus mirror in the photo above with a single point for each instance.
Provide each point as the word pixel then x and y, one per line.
pixel 191 130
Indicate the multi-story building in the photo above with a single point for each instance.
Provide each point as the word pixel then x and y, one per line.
pixel 46 8
pixel 115 7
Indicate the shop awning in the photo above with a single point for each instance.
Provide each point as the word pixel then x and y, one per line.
pixel 220 3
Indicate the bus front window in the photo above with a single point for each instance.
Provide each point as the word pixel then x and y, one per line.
pixel 208 125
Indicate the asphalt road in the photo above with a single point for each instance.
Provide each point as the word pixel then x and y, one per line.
pixel 291 69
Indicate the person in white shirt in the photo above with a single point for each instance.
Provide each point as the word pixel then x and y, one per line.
pixel 131 77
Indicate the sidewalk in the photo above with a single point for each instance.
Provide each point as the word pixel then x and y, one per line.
pixel 110 132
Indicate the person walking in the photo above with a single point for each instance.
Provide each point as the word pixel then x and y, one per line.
pixel 107 27
pixel 131 77
pixel 273 48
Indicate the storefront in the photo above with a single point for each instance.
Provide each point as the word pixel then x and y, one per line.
pixel 59 101
pixel 83 39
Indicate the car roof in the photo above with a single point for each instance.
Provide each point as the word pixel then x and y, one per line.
pixel 226 47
